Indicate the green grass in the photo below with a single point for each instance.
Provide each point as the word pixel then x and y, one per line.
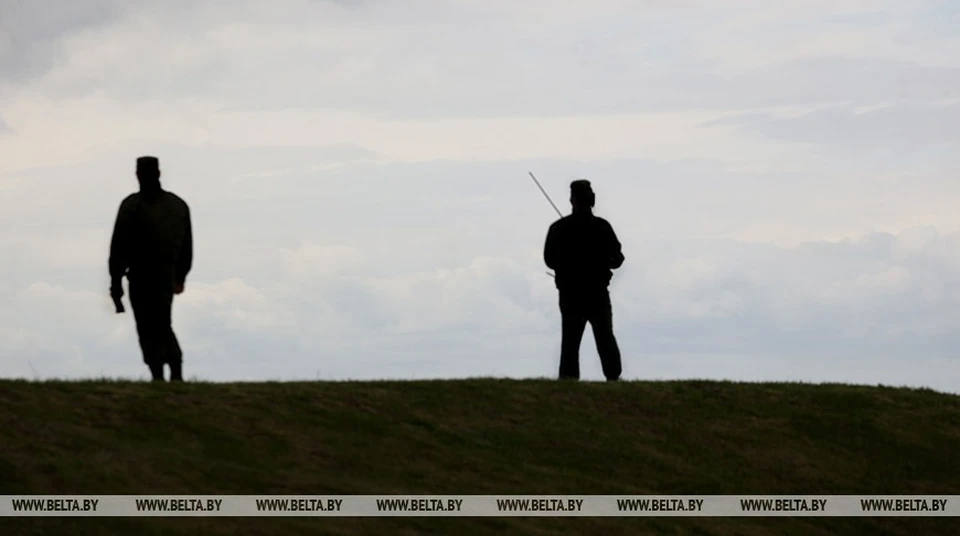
pixel 476 437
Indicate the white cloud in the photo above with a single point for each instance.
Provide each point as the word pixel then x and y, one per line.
pixel 900 127
pixel 698 299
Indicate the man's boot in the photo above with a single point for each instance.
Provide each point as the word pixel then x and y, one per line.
pixel 156 370
pixel 176 371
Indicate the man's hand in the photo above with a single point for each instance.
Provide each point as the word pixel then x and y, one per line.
pixel 116 292
pixel 177 288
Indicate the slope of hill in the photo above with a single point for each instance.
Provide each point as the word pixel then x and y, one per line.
pixel 476 437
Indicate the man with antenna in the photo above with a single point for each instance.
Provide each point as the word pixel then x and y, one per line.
pixel 583 249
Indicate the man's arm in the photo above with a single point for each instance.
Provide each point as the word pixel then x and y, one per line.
pixel 615 248
pixel 550 249
pixel 185 258
pixel 119 260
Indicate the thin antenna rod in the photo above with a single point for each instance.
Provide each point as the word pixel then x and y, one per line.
pixel 545 193
pixel 548 199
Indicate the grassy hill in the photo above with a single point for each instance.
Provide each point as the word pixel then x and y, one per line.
pixel 476 437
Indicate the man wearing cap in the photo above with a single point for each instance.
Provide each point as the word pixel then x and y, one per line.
pixel 583 249
pixel 152 245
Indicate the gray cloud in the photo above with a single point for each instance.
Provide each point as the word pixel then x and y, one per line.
pixel 899 127
pixel 440 61
pixel 34 34
pixel 33 31
pixel 533 90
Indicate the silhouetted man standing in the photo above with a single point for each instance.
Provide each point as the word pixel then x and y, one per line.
pixel 152 245
pixel 583 249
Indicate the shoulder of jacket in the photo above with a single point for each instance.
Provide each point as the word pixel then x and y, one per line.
pixel 177 199
pixel 563 223
pixel 602 222
pixel 130 201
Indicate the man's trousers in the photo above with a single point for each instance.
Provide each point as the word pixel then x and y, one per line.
pixel 576 309
pixel 152 304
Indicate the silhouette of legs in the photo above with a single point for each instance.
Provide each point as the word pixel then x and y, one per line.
pixel 152 306
pixel 156 370
pixel 176 371
pixel 601 320
pixel 576 309
pixel 574 320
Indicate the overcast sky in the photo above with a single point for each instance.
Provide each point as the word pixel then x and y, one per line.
pixel 783 176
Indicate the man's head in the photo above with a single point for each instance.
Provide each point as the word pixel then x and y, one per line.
pixel 148 169
pixel 582 197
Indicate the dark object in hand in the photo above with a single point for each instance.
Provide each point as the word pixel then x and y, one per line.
pixel 116 294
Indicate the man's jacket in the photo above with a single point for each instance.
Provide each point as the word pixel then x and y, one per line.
pixel 152 239
pixel 583 250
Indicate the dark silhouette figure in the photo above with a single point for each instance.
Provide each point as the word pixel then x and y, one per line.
pixel 152 245
pixel 583 249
